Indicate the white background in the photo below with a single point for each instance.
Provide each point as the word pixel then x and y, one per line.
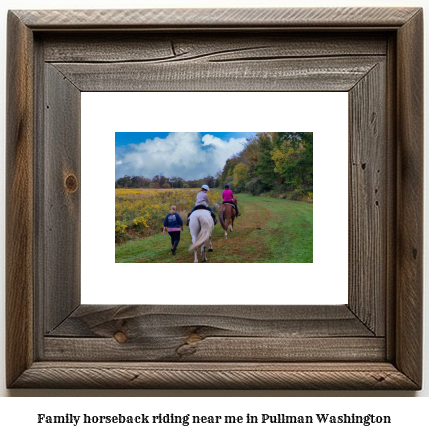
pixel 107 282
pixel 19 413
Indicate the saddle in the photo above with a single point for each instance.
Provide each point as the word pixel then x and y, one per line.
pixel 233 204
pixel 200 206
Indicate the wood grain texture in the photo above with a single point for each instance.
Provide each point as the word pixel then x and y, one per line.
pixel 215 376
pixel 39 201
pixel 330 74
pixel 99 321
pixel 199 47
pixel 207 18
pixel 410 199
pixel 19 200
pixel 178 348
pixel 391 193
pixel 368 203
pixel 213 333
pixel 61 186
pixel 189 347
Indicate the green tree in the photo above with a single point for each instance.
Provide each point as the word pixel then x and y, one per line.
pixel 264 165
pixel 210 181
pixel 240 176
pixel 123 182
pixel 228 170
pixel 293 159
pixel 272 161
pixel 176 182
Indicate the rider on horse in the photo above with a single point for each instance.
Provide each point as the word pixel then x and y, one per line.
pixel 202 203
pixel 228 197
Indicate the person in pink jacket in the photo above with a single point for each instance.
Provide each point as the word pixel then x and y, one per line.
pixel 228 197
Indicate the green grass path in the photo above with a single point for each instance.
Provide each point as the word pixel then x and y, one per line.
pixel 269 230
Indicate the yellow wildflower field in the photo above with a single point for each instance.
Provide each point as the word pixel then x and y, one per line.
pixel 141 212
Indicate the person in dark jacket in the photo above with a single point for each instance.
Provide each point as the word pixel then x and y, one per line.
pixel 173 224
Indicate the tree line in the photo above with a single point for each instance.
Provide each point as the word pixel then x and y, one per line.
pixel 163 182
pixel 276 163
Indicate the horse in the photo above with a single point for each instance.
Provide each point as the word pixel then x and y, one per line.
pixel 201 227
pixel 226 216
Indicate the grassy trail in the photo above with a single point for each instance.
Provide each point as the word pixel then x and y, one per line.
pixel 269 230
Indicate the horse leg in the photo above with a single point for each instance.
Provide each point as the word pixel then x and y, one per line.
pixel 203 253
pixel 196 255
pixel 210 245
pixel 232 222
pixel 226 231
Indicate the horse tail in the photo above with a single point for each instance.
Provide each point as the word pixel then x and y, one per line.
pixel 204 233
pixel 222 218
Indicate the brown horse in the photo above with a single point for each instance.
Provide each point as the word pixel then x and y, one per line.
pixel 226 216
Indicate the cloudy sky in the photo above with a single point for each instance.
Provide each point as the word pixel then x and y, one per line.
pixel 190 155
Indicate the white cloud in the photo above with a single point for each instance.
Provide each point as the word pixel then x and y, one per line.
pixel 182 154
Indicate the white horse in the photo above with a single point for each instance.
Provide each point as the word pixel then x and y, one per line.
pixel 201 227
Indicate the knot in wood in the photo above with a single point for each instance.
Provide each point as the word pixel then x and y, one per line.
pixel 71 183
pixel 193 338
pixel 120 337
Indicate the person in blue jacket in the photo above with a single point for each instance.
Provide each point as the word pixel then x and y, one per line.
pixel 173 224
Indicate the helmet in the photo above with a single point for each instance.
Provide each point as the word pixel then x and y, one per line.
pixel 205 187
pixel 226 186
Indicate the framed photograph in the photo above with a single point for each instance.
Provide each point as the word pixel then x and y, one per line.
pixel 274 235
pixel 57 339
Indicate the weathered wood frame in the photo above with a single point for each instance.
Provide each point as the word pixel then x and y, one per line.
pixel 374 342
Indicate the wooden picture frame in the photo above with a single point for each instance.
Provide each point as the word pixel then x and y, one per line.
pixel 373 342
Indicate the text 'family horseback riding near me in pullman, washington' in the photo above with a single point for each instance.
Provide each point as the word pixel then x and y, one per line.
pixel 188 419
